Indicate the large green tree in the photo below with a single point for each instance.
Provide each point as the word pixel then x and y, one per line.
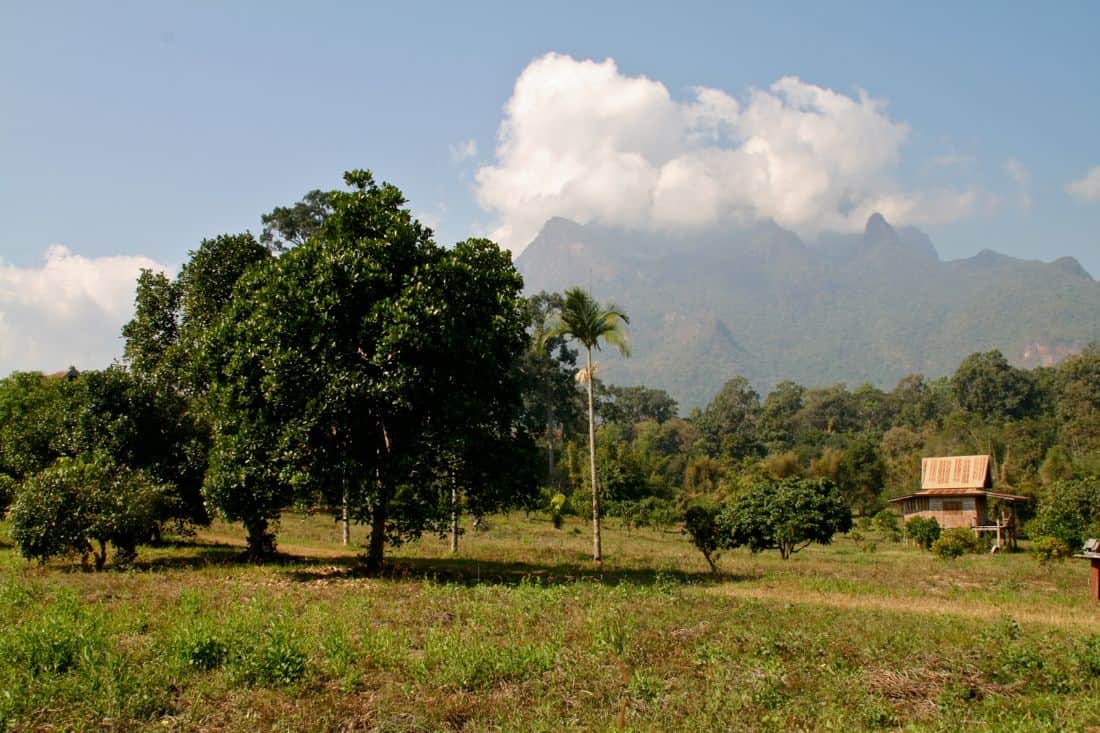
pixel 361 367
pixel 585 320
pixel 786 515
pixel 987 385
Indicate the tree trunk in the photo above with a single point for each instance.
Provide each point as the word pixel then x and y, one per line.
pixel 345 522
pixel 597 549
pixel 454 515
pixel 377 545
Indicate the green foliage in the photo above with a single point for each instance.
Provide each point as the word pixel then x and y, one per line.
pixel 1068 510
pixel 275 658
pixel 956 542
pixel 885 521
pixel 291 226
pixel 728 423
pixel 923 530
pixel 368 363
pixel 786 515
pixel 77 502
pixel 985 384
pixel 1047 549
pixel 861 475
pixel 636 404
pixel 704 525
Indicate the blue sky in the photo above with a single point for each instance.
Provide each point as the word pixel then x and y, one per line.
pixel 130 131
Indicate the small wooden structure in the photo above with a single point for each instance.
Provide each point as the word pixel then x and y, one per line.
pixel 1091 552
pixel 955 491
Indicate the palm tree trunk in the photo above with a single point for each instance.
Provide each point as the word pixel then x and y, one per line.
pixel 597 550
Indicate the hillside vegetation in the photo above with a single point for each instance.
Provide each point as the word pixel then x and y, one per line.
pixel 760 303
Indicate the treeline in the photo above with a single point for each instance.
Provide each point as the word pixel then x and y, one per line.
pixel 344 362
pixel 341 362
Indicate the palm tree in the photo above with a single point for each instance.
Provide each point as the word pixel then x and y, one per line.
pixel 586 321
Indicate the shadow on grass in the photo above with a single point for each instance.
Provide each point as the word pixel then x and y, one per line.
pixel 473 572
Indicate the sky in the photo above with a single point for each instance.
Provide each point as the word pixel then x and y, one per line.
pixel 131 131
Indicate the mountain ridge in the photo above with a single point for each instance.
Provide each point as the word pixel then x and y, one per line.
pixel 759 302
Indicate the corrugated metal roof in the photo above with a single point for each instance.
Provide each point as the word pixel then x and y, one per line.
pixel 955 472
pixel 961 492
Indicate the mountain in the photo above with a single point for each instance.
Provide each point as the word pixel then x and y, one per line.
pixel 854 308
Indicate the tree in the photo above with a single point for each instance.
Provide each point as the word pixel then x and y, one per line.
pixel 631 405
pixel 173 318
pixel 923 530
pixel 153 333
pixel 787 515
pixel 79 505
pixel 548 370
pixel 352 368
pixel 861 476
pixel 291 226
pixel 1068 510
pixel 729 422
pixel 776 427
pixel 703 524
pixel 985 384
pixel 586 321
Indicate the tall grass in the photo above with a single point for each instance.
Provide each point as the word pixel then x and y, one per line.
pixel 522 633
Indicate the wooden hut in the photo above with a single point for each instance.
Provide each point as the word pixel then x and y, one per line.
pixel 956 492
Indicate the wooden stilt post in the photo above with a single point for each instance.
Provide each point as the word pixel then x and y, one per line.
pixel 1094 579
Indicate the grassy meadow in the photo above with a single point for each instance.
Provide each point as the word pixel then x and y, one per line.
pixel 521 632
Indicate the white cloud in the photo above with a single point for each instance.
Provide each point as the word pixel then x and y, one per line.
pixel 579 139
pixel 68 311
pixel 1086 188
pixel 1019 173
pixel 463 150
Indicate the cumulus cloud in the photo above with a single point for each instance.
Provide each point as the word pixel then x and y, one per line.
pixel 463 150
pixel 68 311
pixel 1021 176
pixel 580 139
pixel 1087 188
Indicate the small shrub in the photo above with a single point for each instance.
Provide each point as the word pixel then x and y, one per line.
pixel 702 523
pixel 957 542
pixel 277 659
pixel 202 649
pixel 923 530
pixel 1046 549
pixel 886 522
pixel 559 504
pixel 79 505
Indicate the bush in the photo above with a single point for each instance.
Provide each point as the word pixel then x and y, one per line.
pixel 1070 511
pixel 7 492
pixel 787 515
pixel 886 521
pixel 923 530
pixel 701 523
pixel 559 506
pixel 76 502
pixel 1045 549
pixel 957 542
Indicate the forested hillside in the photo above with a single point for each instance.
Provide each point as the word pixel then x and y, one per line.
pixel 760 303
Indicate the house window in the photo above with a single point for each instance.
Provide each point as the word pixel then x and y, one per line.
pixel 952 505
pixel 916 505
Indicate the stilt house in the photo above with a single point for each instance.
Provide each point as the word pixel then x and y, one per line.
pixel 956 492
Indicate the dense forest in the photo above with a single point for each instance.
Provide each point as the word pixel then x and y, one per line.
pixel 344 362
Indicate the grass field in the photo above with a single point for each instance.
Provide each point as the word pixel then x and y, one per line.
pixel 521 633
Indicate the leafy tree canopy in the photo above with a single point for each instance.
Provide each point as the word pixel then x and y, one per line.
pixel 363 363
pixel 786 515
